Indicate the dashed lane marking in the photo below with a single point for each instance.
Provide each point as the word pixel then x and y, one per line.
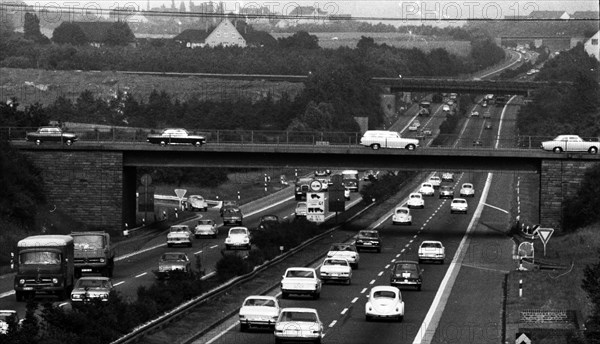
pixel 198 252
pixel 354 300
pixel 372 282
pixel 119 283
pixel 214 246
pixel 344 311
pixel 380 273
pixel 333 323
pixel 140 275
pixel 363 291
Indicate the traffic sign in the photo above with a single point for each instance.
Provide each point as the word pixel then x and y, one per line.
pixel 544 234
pixel 315 206
pixel 146 180
pixel 522 338
pixel 526 250
pixel 316 186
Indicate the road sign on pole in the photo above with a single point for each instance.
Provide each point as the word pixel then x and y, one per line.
pixel 544 234
pixel 315 206
pixel 522 338
pixel 180 193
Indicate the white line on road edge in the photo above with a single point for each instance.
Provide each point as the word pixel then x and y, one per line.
pixel 432 319
pixel 140 275
pixel 491 206
pixel 213 246
pixel 8 293
pixel 116 284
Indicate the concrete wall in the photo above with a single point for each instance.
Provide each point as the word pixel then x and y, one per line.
pixel 559 180
pixel 87 185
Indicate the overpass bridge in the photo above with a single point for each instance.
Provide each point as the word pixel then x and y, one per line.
pixel 95 181
pixel 408 84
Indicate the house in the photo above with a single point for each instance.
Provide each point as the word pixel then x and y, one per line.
pixel 595 15
pixel 192 38
pixel 304 15
pixel 96 32
pixel 225 34
pixel 591 46
pixel 548 15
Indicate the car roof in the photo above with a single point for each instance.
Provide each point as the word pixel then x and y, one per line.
pixel 385 288
pixel 300 268
pixel 94 278
pixel 299 309
pixel 261 297
pixel 470 184
pixel 238 227
pixel 406 262
pixel 459 200
pixel 431 242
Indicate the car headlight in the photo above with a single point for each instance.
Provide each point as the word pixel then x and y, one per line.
pixel 76 296
pixel 21 281
pixel 55 280
pixel 228 240
pixel 101 260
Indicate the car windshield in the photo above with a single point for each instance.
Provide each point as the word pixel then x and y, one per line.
pixel 446 188
pixel 232 212
pixel 415 196
pixel 300 273
pixel 173 256
pixel 426 185
pixel 431 244
pixel 342 248
pixel 93 284
pixel 45 258
pixel 401 211
pixel 260 302
pixel 384 294
pixel 237 231
pixel 88 242
pixel 459 201
pixel 368 234
pixel 178 229
pixel 467 186
pixel 205 222
pixel 335 262
pixel 298 316
pixel 406 267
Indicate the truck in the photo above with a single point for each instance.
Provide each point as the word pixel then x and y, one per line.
pixel 93 253
pixel 350 180
pixel 302 187
pixel 424 108
pixel 44 264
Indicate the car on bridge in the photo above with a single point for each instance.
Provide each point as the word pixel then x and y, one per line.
pixel 173 262
pixel 570 143
pixel 467 190
pixel 176 136
pixel 402 216
pixel 206 227
pixel 301 281
pixel 415 200
pixel 179 235
pixel 90 288
pixel 406 273
pixel 368 239
pixel 385 302
pixel 298 324
pixel 459 205
pixel 238 237
pixel 259 311
pixel 377 139
pixel 51 134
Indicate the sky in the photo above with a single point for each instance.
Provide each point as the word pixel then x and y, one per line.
pixel 408 11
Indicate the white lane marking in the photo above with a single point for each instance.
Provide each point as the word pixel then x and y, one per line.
pixel 398 255
pixel 414 236
pixel 363 291
pixel 140 275
pixel 393 260
pixel 213 246
pixel 380 273
pixel 401 251
pixel 198 252
pixel 8 293
pixel 372 282
pixel 354 300
pixel 220 334
pixel 63 304
pixel 406 245
pixel 332 323
pixel 491 206
pixel 285 217
pixel 119 283
pixel 502 120
pixel 387 266
pixel 428 327
pixel 344 311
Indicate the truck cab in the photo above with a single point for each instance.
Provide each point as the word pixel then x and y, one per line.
pixel 93 253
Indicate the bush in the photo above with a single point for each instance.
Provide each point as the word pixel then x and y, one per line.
pixel 230 266
pixel 385 187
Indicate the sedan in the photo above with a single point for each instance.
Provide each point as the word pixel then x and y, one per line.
pixel 435 181
pixel 432 250
pixel 368 239
pixel 300 281
pixel 467 190
pixel 336 269
pixel 459 205
pixel 427 189
pixel 238 237
pixel 406 272
pixel 258 311
pixel 346 251
pixel 176 136
pixel 51 134
pixel 91 288
pixel 446 191
pixel 206 227
pixel 173 262
pixel 301 324
pixel 447 177
pixel 475 114
pixel 179 235
pixel 415 200
pixel 384 302
pixel 402 216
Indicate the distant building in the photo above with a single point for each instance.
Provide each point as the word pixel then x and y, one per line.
pixel 226 35
pixel 591 46
pixel 303 15
pixel 586 15
pixel 192 38
pixel 548 15
pixel 96 31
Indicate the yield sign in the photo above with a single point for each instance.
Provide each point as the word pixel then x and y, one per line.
pixel 522 338
pixel 545 234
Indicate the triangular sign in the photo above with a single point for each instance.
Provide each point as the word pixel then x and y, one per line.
pixel 522 339
pixel 545 234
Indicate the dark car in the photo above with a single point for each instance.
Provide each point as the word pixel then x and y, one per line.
pixel 268 222
pixel 447 191
pixel 176 136
pixel 232 216
pixel 368 239
pixel 406 273
pixel 228 205
pixel 51 134
pixel 172 263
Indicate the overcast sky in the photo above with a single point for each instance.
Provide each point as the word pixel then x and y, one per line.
pixel 411 10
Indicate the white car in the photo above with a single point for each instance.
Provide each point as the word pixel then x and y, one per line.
pixel 384 302
pixel 8 316
pixel 347 194
pixel 206 227
pixel 413 127
pixel 435 181
pixel 432 250
pixel 345 251
pixel 301 281
pixel 415 200
pixel 238 237
pixel 196 203
pixel 570 143
pixel 91 288
pixel 301 209
pixel 258 311
pixel 402 216
pixel 467 190
pixel 336 269
pixel 427 189
pixel 179 235
pixel 446 107
pixel 301 324
pixel 475 114
pixel 377 139
pixel 459 205
pixel 447 177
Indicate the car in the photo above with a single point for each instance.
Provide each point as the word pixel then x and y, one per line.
pixel 238 237
pixel 301 281
pixel 228 204
pixel 268 222
pixel 385 302
pixel 402 216
pixel 377 139
pixel 415 200
pixel 347 193
pixel 258 311
pixel 467 190
pixel 446 108
pixel 321 173
pixel 368 239
pixel 232 216
pixel 487 114
pixel 347 251
pixel 171 262
pixel 570 143
pixel 459 205
pixel 447 177
pixel 488 125
pixel 477 143
pixel 370 175
pixel 435 181
pixel 196 203
pixel 406 273
pixel 427 132
pixel 426 189
pixel 90 288
pixel 475 114
pixel 178 136
pixel 413 127
pixel 301 209
pixel 298 324
pixel 179 235
pixel 432 251
pixel 206 227
pixel 446 191
pixel 51 134
pixel 335 269
pixel 7 317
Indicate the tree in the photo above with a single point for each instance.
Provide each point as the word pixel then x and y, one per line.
pixel 366 43
pixel 582 209
pixel 69 33
pixel 591 285
pixel 119 34
pixel 300 40
pixel 31 27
